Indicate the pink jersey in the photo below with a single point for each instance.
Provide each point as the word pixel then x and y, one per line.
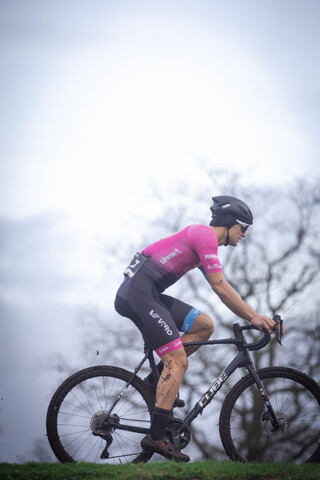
pixel 193 246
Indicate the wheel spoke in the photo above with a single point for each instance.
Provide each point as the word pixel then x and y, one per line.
pixel 76 420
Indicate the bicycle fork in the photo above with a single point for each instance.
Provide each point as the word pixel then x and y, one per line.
pixel 243 359
pixel 269 414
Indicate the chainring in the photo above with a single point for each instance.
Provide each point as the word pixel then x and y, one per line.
pixel 177 429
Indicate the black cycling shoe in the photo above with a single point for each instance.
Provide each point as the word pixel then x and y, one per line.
pixel 165 448
pixel 178 403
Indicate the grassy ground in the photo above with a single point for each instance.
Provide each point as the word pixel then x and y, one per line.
pixel 208 470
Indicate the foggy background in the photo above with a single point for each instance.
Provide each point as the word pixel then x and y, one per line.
pixel 104 104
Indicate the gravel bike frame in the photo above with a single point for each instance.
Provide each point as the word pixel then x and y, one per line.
pixel 242 359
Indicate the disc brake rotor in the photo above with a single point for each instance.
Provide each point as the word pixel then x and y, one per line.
pixel 271 431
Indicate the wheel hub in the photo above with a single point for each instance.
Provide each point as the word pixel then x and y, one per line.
pixel 271 431
pixel 99 425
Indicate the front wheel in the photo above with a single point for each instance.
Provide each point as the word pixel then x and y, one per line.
pixel 246 429
pixel 79 428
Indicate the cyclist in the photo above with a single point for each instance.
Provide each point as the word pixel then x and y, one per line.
pixel 160 317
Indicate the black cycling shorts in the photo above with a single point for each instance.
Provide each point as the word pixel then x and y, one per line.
pixel 159 317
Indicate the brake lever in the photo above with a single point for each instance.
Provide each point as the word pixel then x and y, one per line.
pixel 279 328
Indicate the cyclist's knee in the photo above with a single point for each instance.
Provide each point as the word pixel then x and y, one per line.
pixel 203 324
pixel 183 361
pixel 176 359
pixel 209 325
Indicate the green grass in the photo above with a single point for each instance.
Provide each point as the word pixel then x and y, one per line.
pixel 208 470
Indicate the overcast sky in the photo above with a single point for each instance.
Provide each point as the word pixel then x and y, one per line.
pixel 99 100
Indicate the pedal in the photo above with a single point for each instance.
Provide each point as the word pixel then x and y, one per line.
pixel 176 442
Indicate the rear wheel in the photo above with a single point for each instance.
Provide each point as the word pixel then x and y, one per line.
pixel 246 430
pixel 78 426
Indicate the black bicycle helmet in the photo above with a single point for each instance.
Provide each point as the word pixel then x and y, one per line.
pixel 227 210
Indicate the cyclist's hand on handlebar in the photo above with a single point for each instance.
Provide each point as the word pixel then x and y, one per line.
pixel 261 321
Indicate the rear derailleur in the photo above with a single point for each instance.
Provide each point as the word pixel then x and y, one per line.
pixel 99 427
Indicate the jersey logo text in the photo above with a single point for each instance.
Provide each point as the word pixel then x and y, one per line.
pixel 171 255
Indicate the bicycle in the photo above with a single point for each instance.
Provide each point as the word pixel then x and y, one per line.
pixel 101 413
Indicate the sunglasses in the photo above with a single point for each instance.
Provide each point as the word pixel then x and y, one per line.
pixel 244 226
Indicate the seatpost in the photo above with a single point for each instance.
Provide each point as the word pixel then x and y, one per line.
pixel 148 352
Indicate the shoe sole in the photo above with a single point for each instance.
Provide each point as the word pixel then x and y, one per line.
pixel 167 455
